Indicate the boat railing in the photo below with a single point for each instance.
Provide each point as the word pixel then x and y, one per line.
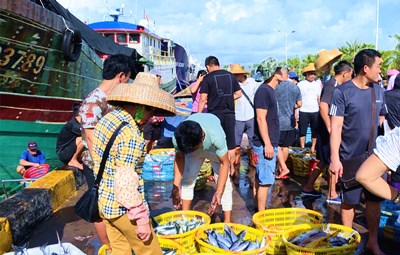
pixel 158 59
pixel 3 182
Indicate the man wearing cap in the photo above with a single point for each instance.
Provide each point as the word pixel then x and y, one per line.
pixel 289 99
pixel 152 131
pixel 244 111
pixel 310 93
pixel 31 157
pixel 266 138
pixel 293 77
pixel 352 127
pixel 219 89
pixel 199 137
pixel 116 69
pixel 121 194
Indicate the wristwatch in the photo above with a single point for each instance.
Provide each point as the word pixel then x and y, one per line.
pixel 397 198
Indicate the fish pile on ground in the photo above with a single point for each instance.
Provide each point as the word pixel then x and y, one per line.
pixel 23 250
pixel 233 242
pixel 178 226
pixel 323 238
pixel 166 251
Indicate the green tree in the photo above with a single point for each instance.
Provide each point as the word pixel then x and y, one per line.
pixel 351 49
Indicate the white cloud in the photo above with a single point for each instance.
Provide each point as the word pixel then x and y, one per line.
pixel 246 31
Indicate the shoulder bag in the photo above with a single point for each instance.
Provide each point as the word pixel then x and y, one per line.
pixel 247 97
pixel 87 206
pixel 351 166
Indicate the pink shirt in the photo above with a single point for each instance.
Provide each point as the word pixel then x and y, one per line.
pixel 196 99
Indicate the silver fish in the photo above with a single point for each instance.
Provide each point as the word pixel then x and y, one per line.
pixel 298 239
pixel 21 250
pixel 230 241
pixel 63 250
pixel 43 249
pixel 178 226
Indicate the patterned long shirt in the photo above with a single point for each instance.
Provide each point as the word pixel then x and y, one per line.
pixel 127 150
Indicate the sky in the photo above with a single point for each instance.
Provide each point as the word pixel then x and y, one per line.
pixel 249 31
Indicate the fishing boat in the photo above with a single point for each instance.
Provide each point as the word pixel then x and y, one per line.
pixel 157 52
pixel 49 59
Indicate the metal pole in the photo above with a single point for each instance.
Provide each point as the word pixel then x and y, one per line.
pixel 286 48
pixel 136 13
pixel 377 25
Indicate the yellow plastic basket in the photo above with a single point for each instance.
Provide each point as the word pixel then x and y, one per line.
pixel 104 249
pixel 302 166
pixel 167 151
pixel 252 234
pixel 292 249
pixel 274 222
pixel 187 239
pixel 169 244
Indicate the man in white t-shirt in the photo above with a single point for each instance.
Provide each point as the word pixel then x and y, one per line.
pixel 244 110
pixel 310 93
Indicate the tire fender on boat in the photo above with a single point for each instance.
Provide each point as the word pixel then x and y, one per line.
pixel 72 44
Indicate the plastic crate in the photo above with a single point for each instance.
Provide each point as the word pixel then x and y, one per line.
pixel 169 244
pixel 274 222
pixel 251 234
pixel 388 225
pixel 303 164
pixel 187 239
pixel 292 249
pixel 158 167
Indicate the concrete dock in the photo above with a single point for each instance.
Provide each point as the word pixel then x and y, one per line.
pixel 284 193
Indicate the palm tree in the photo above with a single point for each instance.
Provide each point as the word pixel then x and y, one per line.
pixel 351 49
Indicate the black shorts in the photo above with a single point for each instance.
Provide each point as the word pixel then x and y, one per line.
pixel 308 118
pixel 89 175
pixel 66 153
pixel 323 148
pixel 352 196
pixel 228 123
pixel 287 138
pixel 152 131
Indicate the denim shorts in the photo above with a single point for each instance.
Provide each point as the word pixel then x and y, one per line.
pixel 265 168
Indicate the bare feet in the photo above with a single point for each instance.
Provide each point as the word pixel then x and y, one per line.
pixel 75 163
pixel 284 172
pixel 374 249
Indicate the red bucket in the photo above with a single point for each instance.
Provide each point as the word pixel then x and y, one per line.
pixel 36 171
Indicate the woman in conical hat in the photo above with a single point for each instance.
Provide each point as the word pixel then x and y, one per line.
pixel 121 195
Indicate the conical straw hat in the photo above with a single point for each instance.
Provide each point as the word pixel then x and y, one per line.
pixel 145 91
pixel 237 69
pixel 326 57
pixel 309 68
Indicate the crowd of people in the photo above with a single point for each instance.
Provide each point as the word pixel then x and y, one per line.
pixel 343 112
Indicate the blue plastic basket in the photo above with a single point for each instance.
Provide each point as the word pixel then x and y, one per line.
pixel 388 225
pixel 158 168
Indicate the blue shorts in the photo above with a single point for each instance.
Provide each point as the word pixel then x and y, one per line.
pixel 265 168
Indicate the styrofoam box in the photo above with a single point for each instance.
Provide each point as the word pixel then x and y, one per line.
pixel 73 250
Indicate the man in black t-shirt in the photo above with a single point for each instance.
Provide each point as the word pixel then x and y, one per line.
pixel 266 137
pixel 69 142
pixel 351 121
pixel 343 72
pixel 219 89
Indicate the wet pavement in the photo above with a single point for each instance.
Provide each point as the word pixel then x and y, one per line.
pixel 284 193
